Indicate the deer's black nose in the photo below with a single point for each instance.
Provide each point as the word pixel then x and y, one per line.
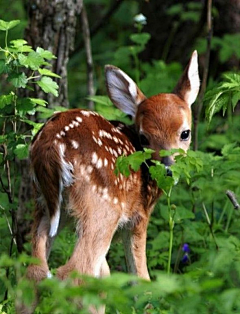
pixel 167 161
pixel 169 171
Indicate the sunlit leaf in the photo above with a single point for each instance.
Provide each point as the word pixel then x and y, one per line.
pixel 48 85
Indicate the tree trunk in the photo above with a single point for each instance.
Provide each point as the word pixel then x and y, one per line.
pixel 52 27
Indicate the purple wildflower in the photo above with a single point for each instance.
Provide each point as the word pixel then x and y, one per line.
pixel 186 250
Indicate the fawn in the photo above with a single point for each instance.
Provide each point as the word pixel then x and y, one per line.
pixel 73 159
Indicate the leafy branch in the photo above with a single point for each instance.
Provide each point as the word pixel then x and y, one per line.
pixel 225 94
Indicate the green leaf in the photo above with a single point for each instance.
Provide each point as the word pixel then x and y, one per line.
pixel 20 45
pixel 6 100
pixel 25 105
pixel 48 73
pixel 3 139
pixel 3 66
pixel 102 100
pixel 4 26
pixel 18 79
pixel 36 126
pixel 45 54
pixel 183 213
pixel 133 161
pixel 158 173
pixel 37 101
pixel 33 60
pixel 21 151
pixel 48 85
pixel 140 39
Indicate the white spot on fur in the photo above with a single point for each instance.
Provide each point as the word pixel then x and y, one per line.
pixel 75 144
pixel 79 119
pixel 86 113
pixel 99 163
pixel 62 133
pixel 115 200
pixel 103 133
pixel 58 135
pixel 94 158
pixel 105 162
pixel 66 128
pixel 115 153
pixel 89 169
pixel 115 139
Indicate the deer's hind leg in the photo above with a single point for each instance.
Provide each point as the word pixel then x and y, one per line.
pixel 97 223
pixel 45 227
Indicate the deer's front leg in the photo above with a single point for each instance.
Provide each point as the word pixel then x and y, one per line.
pixel 134 241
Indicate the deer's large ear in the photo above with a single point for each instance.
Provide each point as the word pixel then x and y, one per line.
pixel 189 83
pixel 122 90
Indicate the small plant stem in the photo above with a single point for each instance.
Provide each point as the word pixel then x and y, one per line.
pixel 225 209
pixel 6 39
pixel 171 227
pixel 229 219
pixel 209 224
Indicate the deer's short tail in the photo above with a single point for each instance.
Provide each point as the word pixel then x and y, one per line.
pixel 51 173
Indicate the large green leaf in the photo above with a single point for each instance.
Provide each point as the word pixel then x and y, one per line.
pixel 4 26
pixel 48 85
pixel 21 151
pixel 6 100
pixel 18 79
pixel 20 45
pixel 45 54
pixel 33 60
pixel 48 73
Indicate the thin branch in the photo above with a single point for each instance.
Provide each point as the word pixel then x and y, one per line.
pixel 233 199
pixel 199 104
pixel 88 49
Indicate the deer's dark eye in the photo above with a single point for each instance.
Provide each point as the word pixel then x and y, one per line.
pixel 185 135
pixel 143 140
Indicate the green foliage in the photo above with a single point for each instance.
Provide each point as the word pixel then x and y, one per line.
pixel 16 58
pixel 226 94
pixel 227 46
pixel 20 68
pixel 105 107
pixel 195 211
pixel 191 11
pixel 133 161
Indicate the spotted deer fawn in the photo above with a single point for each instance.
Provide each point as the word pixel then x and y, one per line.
pixel 73 159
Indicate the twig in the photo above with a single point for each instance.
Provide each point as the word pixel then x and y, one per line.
pixel 232 198
pixel 199 104
pixel 87 43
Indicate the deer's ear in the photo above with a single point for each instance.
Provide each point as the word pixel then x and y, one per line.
pixel 122 90
pixel 189 83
